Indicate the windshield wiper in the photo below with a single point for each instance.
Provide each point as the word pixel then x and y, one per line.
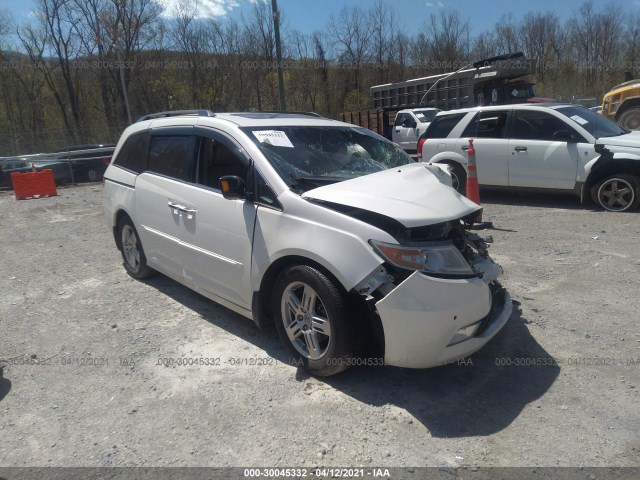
pixel 317 181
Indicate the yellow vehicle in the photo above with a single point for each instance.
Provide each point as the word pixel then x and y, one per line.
pixel 622 104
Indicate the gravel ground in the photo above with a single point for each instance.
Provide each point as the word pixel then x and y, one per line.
pixel 84 382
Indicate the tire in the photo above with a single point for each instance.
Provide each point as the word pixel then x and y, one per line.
pixel 302 296
pixel 630 119
pixel 618 193
pixel 135 262
pixel 459 178
pixel 93 175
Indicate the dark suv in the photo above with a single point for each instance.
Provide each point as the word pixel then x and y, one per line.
pixel 88 162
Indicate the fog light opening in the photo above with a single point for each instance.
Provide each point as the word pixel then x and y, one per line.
pixel 464 333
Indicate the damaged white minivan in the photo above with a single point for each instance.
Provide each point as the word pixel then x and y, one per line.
pixel 355 252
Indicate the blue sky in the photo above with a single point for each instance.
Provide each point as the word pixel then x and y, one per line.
pixel 310 15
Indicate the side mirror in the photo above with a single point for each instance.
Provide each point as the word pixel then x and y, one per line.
pixel 233 187
pixel 408 123
pixel 564 136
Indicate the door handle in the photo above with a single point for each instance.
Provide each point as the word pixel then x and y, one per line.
pixel 397 130
pixel 520 149
pixel 176 207
pixel 466 147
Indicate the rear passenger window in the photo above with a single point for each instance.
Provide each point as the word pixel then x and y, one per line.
pixel 441 126
pixel 172 155
pixel 491 124
pixel 133 154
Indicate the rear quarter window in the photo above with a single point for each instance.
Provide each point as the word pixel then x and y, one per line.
pixel 442 125
pixel 133 154
pixel 172 155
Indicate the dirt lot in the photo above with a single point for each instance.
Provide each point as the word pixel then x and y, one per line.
pixel 84 382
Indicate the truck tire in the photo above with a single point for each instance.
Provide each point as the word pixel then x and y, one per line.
pixel 630 118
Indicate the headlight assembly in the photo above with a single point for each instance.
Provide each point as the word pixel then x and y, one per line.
pixel 438 258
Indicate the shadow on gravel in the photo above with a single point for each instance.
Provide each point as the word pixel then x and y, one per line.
pixel 234 323
pixel 474 397
pixel 534 199
pixel 5 385
pixel 477 396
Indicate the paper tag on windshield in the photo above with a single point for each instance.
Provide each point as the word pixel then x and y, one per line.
pixel 276 138
pixel 579 119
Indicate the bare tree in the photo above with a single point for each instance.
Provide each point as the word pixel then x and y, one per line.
pixel 506 38
pixel 542 39
pixel 199 40
pixel 383 24
pixel 321 64
pixel 596 45
pixel 260 49
pixel 449 47
pixel 95 32
pixel 351 33
pixel 484 46
pixel 632 41
pixel 54 36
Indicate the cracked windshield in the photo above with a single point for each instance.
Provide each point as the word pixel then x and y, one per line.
pixel 309 156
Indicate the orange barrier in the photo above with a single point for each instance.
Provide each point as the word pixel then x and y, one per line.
pixel 34 184
pixel 473 189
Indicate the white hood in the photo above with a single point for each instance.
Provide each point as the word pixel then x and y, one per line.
pixel 410 194
pixel 631 139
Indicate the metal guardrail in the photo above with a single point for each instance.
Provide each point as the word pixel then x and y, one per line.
pixel 69 157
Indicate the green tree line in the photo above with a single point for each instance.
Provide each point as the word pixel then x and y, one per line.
pixel 62 74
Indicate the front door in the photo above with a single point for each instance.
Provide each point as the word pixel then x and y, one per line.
pixel 218 233
pixel 537 158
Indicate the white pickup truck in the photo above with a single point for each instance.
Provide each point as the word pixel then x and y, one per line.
pixel 409 125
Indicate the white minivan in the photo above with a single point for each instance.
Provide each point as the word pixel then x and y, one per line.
pixel 358 254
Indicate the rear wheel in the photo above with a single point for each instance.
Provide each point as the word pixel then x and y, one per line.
pixel 312 316
pixel 618 193
pixel 94 175
pixel 135 261
pixel 458 178
pixel 630 119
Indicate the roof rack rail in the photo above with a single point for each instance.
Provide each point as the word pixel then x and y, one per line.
pixel 287 112
pixel 176 113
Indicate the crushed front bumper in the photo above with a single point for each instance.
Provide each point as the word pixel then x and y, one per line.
pixel 422 318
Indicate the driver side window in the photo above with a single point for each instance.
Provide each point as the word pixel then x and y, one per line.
pixel 401 117
pixel 537 125
pixel 216 160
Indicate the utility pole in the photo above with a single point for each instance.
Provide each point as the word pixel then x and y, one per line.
pixel 124 85
pixel 276 29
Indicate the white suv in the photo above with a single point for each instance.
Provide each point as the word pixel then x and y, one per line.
pixel 325 228
pixel 555 147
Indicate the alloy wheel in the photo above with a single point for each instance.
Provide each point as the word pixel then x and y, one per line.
pixel 130 247
pixel 306 320
pixel 616 195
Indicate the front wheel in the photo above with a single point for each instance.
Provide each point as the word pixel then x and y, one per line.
pixel 135 261
pixel 630 119
pixel 618 193
pixel 312 316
